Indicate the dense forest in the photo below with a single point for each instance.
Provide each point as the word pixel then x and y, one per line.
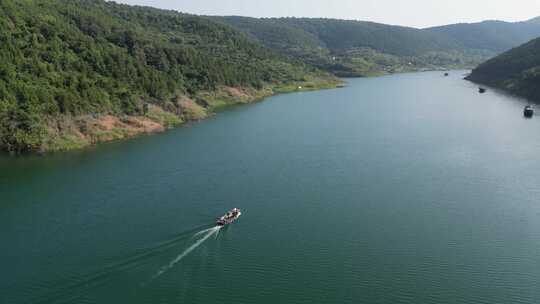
pixel 63 59
pixel 517 71
pixel 358 48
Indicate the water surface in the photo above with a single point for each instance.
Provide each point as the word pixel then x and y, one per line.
pixel 410 188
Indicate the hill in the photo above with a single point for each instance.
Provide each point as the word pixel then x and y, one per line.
pixel 517 71
pixel 494 36
pixel 359 48
pixel 77 72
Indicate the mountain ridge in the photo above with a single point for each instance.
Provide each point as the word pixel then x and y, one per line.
pixel 364 48
pixel 492 35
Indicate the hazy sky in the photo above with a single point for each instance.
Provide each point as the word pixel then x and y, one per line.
pixel 416 13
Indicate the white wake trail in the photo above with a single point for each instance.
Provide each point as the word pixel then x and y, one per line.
pixel 204 231
pixel 182 255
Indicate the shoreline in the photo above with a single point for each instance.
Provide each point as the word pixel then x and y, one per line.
pixel 69 133
pixel 504 89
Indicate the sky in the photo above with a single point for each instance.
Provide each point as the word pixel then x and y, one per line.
pixel 415 13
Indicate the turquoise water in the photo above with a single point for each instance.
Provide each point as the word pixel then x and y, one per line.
pixel 410 188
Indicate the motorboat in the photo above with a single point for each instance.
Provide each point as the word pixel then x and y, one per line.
pixel 229 217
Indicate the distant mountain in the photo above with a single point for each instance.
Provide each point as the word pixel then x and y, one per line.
pixel 358 48
pixel 495 36
pixel 517 71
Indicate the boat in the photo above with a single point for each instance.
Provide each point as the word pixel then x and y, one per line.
pixel 528 111
pixel 481 90
pixel 229 217
pixel 446 74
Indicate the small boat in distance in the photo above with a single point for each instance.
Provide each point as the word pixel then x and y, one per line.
pixel 528 111
pixel 229 217
pixel 446 74
pixel 481 90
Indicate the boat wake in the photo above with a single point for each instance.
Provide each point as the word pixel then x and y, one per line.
pixel 77 286
pixel 204 231
pixel 207 233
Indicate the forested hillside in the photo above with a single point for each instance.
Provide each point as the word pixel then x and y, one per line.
pixel 76 72
pixel 517 71
pixel 357 48
pixel 495 36
pixel 65 64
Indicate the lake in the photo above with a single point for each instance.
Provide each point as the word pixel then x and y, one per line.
pixel 410 188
